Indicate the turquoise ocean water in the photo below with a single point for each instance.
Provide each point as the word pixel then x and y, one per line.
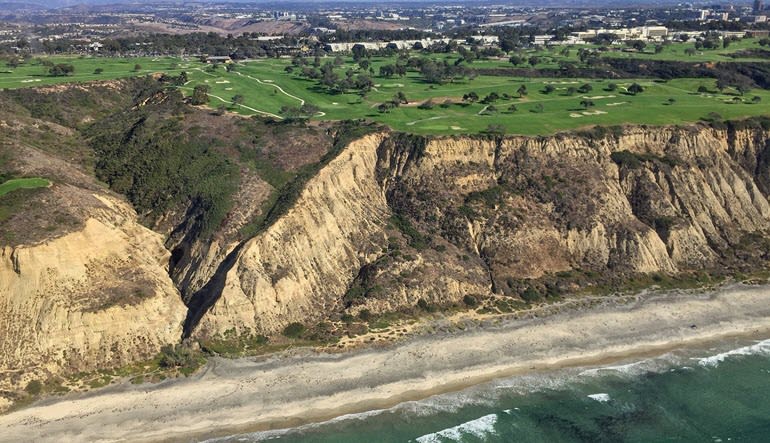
pixel 719 393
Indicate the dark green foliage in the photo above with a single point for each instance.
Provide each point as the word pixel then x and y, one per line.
pixel 597 133
pixel 415 238
pixel 627 159
pixel 490 197
pixel 425 306
pixel 177 356
pixel 61 69
pixel 34 387
pixel 144 154
pixel 530 295
pixel 294 330
pixel 200 95
pixel 470 301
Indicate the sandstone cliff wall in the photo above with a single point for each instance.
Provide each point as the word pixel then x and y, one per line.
pixel 97 297
pixel 492 215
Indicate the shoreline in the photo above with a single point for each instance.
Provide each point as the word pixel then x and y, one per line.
pixel 246 395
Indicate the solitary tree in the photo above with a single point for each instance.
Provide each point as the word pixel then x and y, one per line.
pixel 237 100
pixel 515 60
pixel 635 88
pixel 137 67
pixel 548 89
pixel 522 91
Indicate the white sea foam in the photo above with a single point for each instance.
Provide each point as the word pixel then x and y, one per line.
pixel 762 347
pixel 278 433
pixel 480 428
pixel 601 398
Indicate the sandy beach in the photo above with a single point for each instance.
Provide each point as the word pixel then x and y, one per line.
pixel 231 396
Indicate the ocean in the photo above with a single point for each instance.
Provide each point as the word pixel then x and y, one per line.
pixel 719 393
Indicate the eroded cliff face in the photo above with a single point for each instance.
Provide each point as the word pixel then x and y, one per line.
pixel 396 219
pixel 297 269
pixel 97 297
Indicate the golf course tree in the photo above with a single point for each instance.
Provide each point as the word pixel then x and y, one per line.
pixel 237 100
pixel 359 52
pixel 471 97
pixel 522 91
pixel 384 108
pixel 200 95
pixel 548 89
pixel 491 98
pixel 635 89
pixel 587 103
pixel 61 69
pixel 441 72
pixel 303 112
pixel 490 110
pixel 585 88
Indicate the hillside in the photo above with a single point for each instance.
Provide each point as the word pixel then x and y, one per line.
pixel 168 224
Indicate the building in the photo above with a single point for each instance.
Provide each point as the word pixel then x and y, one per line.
pixel 759 6
pixel 219 59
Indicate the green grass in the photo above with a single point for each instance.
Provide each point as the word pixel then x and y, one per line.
pixel 663 103
pixel 23 183
pixel 34 73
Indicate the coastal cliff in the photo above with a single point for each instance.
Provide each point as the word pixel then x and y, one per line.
pixel 97 297
pixel 296 223
pixel 397 219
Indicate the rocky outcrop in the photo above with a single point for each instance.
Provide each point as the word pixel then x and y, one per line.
pixel 97 297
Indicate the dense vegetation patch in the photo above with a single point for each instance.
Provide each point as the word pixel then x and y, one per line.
pixel 145 154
